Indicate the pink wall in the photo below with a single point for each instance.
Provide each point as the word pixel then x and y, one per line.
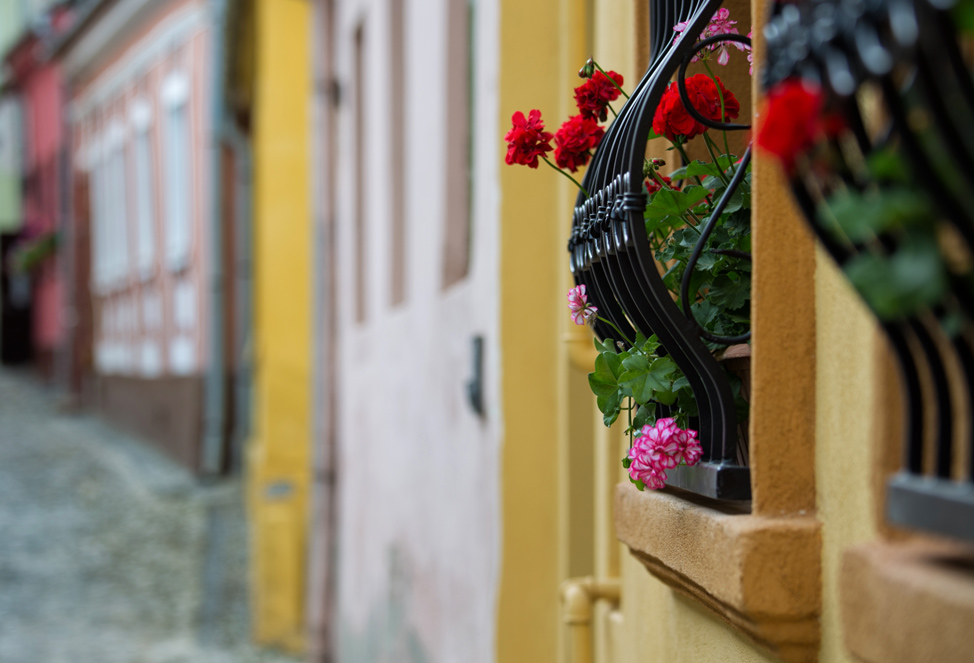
pixel 43 99
pixel 137 315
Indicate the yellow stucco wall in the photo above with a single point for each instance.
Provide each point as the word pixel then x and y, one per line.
pixel 279 452
pixel 527 607
pixel 546 516
pixel 846 393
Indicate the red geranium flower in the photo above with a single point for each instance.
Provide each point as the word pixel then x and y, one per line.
pixel 575 140
pixel 527 139
pixel 653 185
pixel 793 121
pixel 672 119
pixel 594 95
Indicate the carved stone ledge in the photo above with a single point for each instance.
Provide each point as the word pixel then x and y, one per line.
pixel 905 602
pixel 760 575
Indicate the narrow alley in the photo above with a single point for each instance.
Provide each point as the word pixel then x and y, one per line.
pixel 109 552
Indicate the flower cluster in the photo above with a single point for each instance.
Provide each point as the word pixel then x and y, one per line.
pixel 720 24
pixel 654 182
pixel 653 185
pixel 578 137
pixel 594 95
pixel 634 374
pixel 582 311
pixel 661 447
pixel 672 119
pixel 794 121
pixel 575 141
pixel 527 140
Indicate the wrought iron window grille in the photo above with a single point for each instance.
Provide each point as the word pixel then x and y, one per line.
pixel 610 252
pixel 908 52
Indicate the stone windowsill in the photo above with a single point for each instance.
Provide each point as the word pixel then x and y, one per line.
pixel 761 575
pixel 909 601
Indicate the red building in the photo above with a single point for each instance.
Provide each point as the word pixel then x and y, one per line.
pixel 30 256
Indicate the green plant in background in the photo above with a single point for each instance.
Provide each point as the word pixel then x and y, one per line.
pixel 29 254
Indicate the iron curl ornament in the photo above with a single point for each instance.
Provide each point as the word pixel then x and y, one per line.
pixel 611 254
pixel 661 258
pixel 871 113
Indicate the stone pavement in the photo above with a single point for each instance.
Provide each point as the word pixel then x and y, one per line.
pixel 109 552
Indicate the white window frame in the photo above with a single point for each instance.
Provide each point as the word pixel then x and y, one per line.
pixel 117 212
pixel 97 205
pixel 143 170
pixel 179 165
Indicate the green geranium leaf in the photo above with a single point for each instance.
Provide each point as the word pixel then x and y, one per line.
pixel 730 293
pixel 604 381
pixel 861 218
pixel 668 202
pixel 645 416
pixel 888 166
pixel 666 397
pixel 686 402
pixel 912 278
pixel 609 406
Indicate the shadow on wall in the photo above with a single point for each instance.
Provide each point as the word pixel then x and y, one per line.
pixel 387 635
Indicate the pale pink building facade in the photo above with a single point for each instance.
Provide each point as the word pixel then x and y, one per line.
pixel 139 85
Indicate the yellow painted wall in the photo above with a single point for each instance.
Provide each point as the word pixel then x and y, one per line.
pixel 847 396
pixel 279 458
pixel 545 528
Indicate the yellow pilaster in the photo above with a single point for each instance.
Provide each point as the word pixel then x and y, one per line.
pixel 530 269
pixel 279 458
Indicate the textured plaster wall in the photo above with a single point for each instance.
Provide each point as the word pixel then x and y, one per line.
pixel 659 626
pixel 419 527
pixel 846 396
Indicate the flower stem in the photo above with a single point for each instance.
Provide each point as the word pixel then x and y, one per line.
pixel 614 113
pixel 713 155
pixel 631 431
pixel 610 79
pixel 619 331
pixel 723 116
pixel 686 160
pixel 662 182
pixel 574 181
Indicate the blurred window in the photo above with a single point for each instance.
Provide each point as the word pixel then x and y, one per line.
pixel 175 96
pixel 397 161
pixel 459 152
pixel 141 116
pixel 361 85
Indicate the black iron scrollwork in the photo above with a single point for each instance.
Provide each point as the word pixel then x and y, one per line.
pixel 903 59
pixel 611 255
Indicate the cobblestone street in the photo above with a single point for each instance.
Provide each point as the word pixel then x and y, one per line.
pixel 110 553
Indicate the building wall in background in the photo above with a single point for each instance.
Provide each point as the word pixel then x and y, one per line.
pixel 140 128
pixel 278 455
pixel 13 21
pixel 11 163
pixel 416 275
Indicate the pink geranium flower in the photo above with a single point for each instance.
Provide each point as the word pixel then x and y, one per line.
pixel 661 447
pixel 582 311
pixel 720 24
pixel 750 56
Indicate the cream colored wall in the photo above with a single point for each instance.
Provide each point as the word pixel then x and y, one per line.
pixel 659 626
pixel 847 395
